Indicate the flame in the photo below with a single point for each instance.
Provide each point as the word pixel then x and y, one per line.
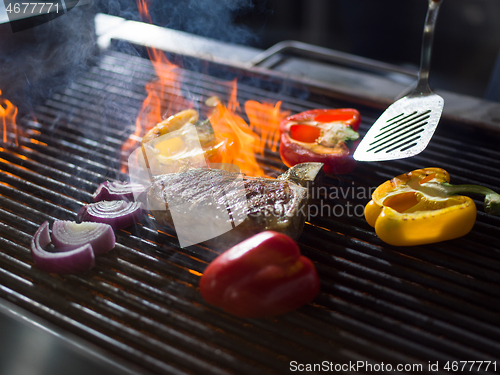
pixel 242 141
pixel 164 98
pixel 166 89
pixel 265 119
pixel 238 143
pixel 8 114
pixel 142 5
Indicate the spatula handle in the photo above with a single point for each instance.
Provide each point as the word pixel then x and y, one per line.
pixel 422 87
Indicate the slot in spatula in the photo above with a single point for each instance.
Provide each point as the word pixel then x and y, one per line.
pixel 407 126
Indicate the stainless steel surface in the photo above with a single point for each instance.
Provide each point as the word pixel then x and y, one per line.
pixel 380 90
pixel 30 345
pixel 406 127
pixel 336 57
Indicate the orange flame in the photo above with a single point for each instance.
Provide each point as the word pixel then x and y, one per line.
pixel 142 5
pixel 166 89
pixel 8 114
pixel 240 141
pixel 265 118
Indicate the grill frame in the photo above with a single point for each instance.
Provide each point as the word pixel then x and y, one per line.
pixel 380 303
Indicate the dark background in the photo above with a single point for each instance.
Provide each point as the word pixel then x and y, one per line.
pixel 467 38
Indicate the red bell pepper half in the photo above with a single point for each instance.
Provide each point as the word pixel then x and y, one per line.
pixel 264 275
pixel 328 136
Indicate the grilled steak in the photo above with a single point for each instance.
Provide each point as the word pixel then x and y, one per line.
pixel 223 208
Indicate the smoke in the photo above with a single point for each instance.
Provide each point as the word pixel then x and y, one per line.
pixel 209 18
pixel 120 8
pixel 37 61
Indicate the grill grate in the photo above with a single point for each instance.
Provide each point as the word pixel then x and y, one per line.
pixel 377 303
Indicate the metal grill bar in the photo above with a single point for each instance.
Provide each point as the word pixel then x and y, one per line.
pixel 140 302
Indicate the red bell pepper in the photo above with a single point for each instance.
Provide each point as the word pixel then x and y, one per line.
pixel 328 136
pixel 264 275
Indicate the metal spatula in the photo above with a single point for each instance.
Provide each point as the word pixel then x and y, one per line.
pixel 406 127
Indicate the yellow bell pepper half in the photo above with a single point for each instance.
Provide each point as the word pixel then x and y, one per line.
pixel 421 207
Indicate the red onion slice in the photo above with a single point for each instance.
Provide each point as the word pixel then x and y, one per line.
pixel 69 235
pixel 118 190
pixel 118 214
pixel 80 259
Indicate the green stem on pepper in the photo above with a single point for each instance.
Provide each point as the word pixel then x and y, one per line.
pixel 491 198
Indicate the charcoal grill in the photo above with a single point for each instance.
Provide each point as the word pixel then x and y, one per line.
pixel 140 305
